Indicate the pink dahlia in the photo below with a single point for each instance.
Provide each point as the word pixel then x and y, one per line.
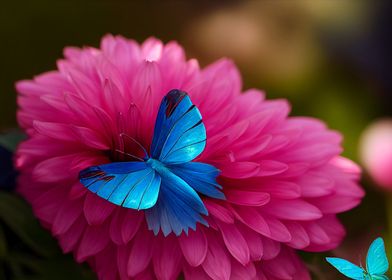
pixel 282 177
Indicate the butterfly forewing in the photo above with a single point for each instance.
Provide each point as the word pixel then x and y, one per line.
pixel 376 260
pixel 179 134
pixel 129 184
pixel 347 268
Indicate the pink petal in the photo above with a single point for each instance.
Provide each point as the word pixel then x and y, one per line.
pixel 336 204
pixel 316 233
pixel 152 49
pixel 315 185
pixel 255 244
pixel 82 110
pixel 131 224
pixel 167 259
pixel 94 240
pixel 281 189
pixel 141 252
pixel 300 238
pixel 77 191
pixel 122 261
pixel 271 167
pixel 60 169
pixel 253 219
pixel 195 273
pixel 333 228
pixel 241 272
pixel 294 209
pixel 104 268
pixel 70 239
pixel 66 216
pixel 194 246
pixel 97 210
pixel 113 97
pixel 90 138
pixel 271 248
pixel 240 169
pixel 235 242
pixel 279 231
pixel 45 205
pixel 247 198
pixel 217 263
pixel 147 78
pixel 219 211
pixel 116 227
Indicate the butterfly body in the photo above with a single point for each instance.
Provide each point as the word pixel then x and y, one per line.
pixel 376 264
pixel 165 183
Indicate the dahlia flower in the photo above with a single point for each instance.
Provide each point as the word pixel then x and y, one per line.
pixel 283 179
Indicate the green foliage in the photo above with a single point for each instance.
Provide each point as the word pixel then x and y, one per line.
pixel 27 251
pixel 11 139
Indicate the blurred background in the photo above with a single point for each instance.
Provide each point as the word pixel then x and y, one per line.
pixel 331 59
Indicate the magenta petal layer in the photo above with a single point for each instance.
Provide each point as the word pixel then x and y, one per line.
pixel 283 177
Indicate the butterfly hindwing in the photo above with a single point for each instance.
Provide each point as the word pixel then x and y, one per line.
pixel 201 177
pixel 379 277
pixel 179 207
pixel 179 134
pixel 128 184
pixel 347 268
pixel 376 260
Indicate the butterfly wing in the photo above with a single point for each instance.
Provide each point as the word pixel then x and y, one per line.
pixel 178 208
pixel 200 176
pixel 179 134
pixel 347 268
pixel 379 277
pixel 128 184
pixel 376 260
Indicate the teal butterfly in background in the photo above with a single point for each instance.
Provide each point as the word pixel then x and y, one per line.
pixel 376 264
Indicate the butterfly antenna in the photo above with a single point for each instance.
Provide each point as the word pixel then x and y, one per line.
pixel 135 141
pixel 127 154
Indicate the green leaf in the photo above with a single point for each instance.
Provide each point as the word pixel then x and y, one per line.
pixel 11 139
pixel 60 268
pixel 17 215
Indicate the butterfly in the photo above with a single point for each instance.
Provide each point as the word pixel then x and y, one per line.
pixel 376 264
pixel 166 182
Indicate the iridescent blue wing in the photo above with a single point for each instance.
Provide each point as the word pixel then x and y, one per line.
pixel 376 260
pixel 179 133
pixel 379 277
pixel 178 207
pixel 128 184
pixel 347 268
pixel 200 176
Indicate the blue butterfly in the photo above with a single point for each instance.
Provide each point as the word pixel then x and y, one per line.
pixel 166 183
pixel 376 264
